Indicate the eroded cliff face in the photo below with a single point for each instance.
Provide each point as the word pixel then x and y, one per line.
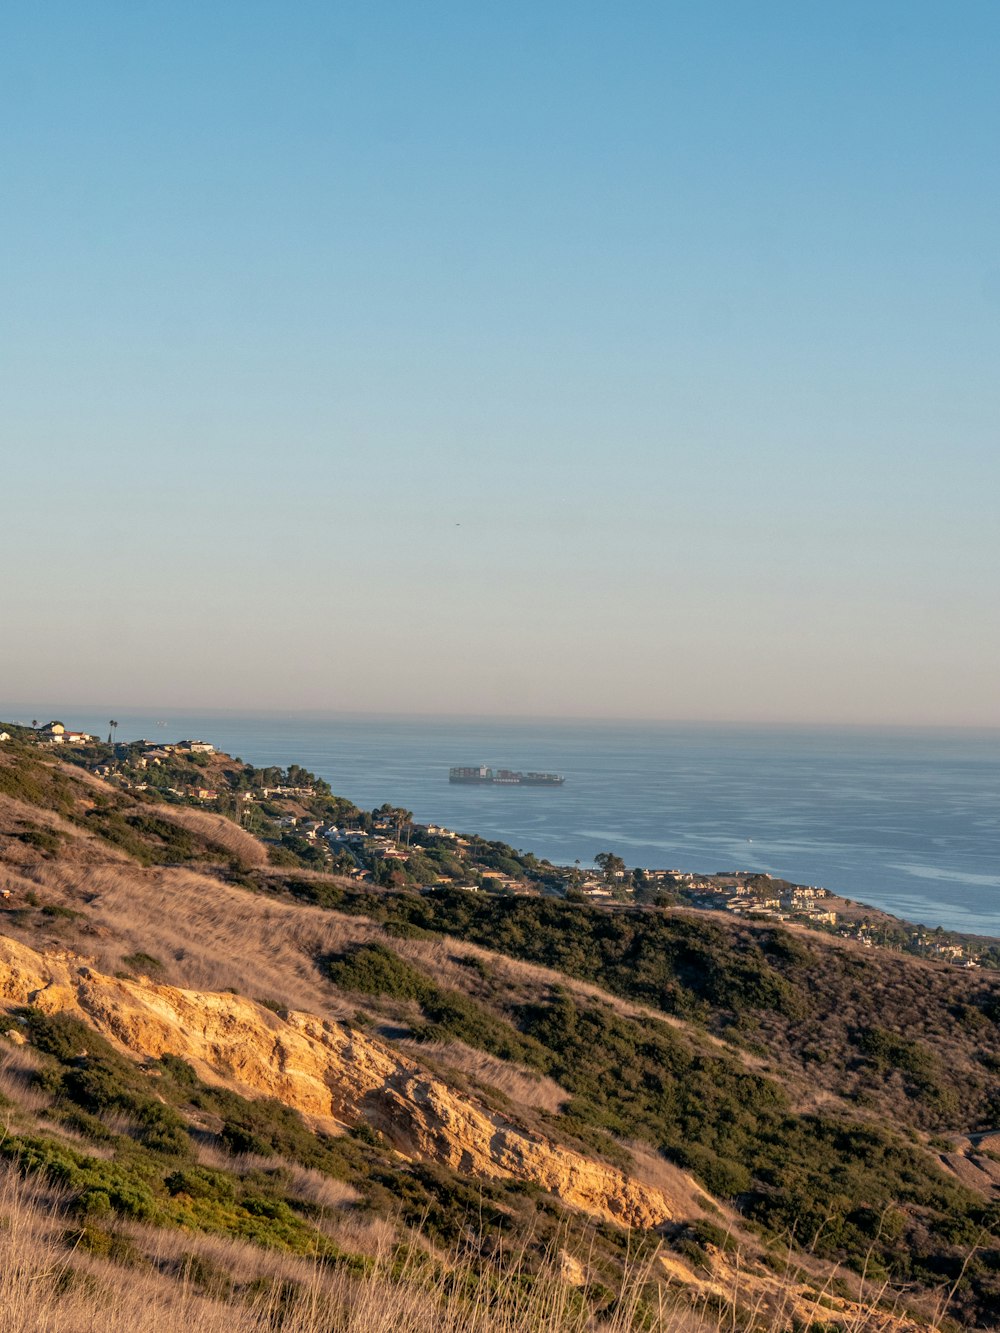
pixel 325 1070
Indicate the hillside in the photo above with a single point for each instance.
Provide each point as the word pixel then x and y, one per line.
pixel 650 1109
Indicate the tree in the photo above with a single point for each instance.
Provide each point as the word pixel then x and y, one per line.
pixel 396 817
pixel 403 819
pixel 612 867
pixel 114 727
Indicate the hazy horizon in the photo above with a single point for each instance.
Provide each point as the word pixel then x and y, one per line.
pixel 631 362
pixel 70 713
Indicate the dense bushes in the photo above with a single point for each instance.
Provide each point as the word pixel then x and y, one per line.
pixel 135 1187
pixel 681 966
pixel 97 1079
pixel 372 969
pixel 146 837
pixel 855 1190
pixel 806 1003
pixel 810 1175
pixel 44 840
pixel 39 784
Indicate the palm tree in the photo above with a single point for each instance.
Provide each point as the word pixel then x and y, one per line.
pixel 396 817
pixel 114 727
pixel 403 818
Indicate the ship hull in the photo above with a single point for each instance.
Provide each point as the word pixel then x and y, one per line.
pixel 502 777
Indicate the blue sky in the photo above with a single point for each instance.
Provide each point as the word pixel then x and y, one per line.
pixel 633 360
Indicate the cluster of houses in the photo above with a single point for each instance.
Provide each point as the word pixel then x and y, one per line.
pixel 155 756
pixel 54 733
pixel 382 843
pixel 948 951
pixel 757 895
pixel 57 733
pixel 161 752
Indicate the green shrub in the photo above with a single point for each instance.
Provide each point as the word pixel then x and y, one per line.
pixel 43 839
pixel 372 969
pixel 97 1079
pixel 36 783
pixel 105 1244
pixel 143 962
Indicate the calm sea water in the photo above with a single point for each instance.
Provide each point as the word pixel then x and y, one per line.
pixel 907 821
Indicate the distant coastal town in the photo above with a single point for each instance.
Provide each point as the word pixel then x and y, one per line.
pixel 302 822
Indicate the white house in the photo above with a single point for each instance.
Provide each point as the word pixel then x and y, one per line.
pixel 56 734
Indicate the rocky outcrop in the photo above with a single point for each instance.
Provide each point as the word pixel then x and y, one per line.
pixel 783 1301
pixel 325 1070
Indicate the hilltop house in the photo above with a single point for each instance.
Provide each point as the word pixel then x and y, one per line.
pixel 56 734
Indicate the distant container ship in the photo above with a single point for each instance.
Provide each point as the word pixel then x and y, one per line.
pixel 503 777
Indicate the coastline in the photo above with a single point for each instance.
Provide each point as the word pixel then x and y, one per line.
pixel 906 822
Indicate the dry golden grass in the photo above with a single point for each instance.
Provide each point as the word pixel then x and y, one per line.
pixel 175 1282
pixel 687 1196
pixel 47 1287
pixel 521 1085
pixel 17 1083
pixel 15 879
pixel 217 830
pixel 208 935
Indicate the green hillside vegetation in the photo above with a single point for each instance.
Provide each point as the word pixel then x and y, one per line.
pixel 859 1190
pixel 30 779
pixel 845 1019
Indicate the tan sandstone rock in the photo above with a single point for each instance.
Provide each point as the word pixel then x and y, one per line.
pixel 326 1070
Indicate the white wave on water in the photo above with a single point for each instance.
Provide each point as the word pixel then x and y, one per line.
pixel 946 875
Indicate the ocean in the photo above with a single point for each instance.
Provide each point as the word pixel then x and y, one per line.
pixel 908 821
